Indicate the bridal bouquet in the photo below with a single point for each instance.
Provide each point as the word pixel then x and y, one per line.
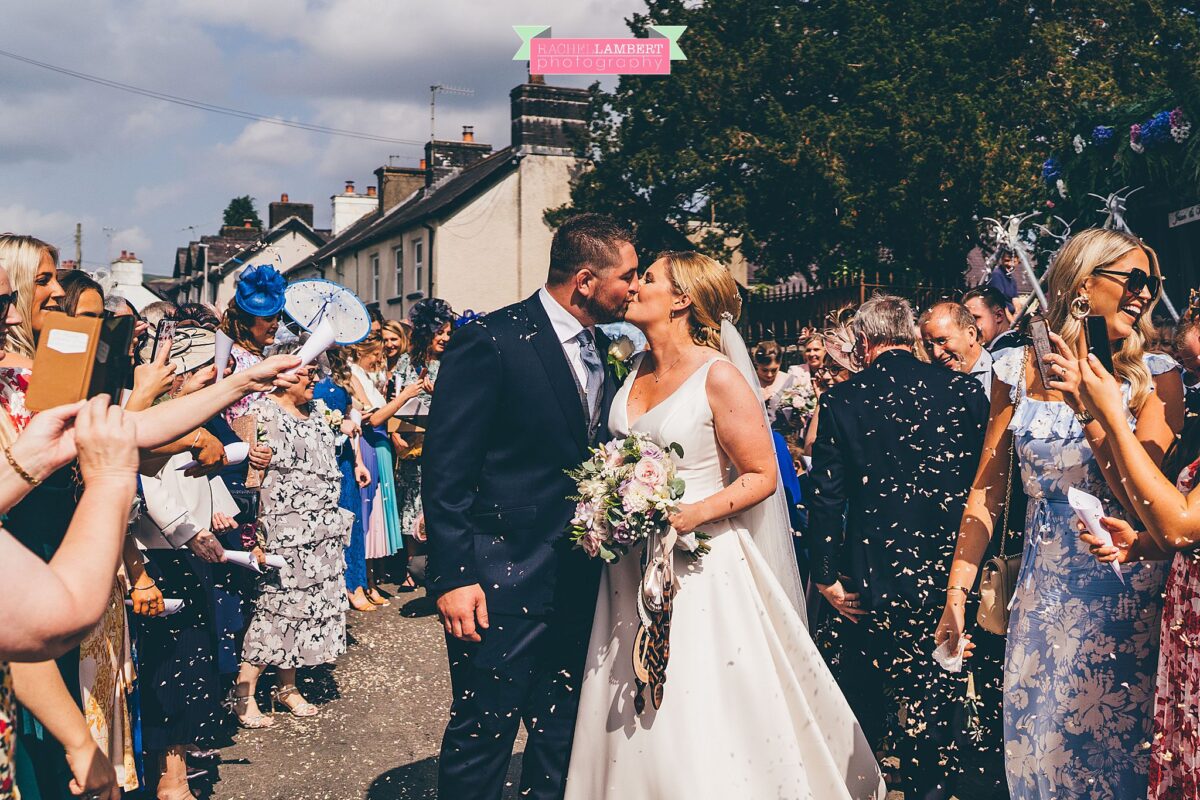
pixel 627 490
pixel 799 397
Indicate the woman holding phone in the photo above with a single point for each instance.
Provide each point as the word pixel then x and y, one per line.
pixel 1079 668
pixel 1170 510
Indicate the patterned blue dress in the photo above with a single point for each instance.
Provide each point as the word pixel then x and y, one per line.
pixel 1082 646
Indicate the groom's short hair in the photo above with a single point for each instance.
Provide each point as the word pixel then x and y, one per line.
pixel 586 240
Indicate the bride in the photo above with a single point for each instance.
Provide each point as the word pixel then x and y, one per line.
pixel 749 709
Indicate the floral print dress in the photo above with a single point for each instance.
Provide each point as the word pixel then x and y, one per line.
pixel 1175 750
pixel 408 470
pixel 300 611
pixel 1082 645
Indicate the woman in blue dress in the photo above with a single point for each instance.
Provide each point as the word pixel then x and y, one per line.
pixel 333 391
pixel 1082 644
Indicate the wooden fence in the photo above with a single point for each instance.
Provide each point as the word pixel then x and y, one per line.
pixel 782 312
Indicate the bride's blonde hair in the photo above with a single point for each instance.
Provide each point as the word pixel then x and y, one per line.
pixel 712 289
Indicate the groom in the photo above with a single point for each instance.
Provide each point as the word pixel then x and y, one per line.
pixel 521 395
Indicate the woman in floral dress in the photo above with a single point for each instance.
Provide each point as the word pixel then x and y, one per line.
pixel 1172 519
pixel 1082 643
pixel 299 617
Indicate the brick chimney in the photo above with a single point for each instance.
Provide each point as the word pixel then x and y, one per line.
pixel 546 120
pixel 283 208
pixel 397 183
pixel 443 158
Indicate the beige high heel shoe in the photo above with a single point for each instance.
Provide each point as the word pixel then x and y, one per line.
pixel 241 704
pixel 303 709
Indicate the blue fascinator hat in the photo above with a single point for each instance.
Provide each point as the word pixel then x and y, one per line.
pixel 260 291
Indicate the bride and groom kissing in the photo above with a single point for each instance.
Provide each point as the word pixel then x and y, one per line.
pixel 539 634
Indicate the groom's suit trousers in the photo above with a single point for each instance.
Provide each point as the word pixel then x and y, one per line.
pixel 525 670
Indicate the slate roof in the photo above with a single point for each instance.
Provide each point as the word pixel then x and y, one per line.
pixel 431 201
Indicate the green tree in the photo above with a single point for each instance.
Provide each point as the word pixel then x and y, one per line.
pixel 241 209
pixel 854 134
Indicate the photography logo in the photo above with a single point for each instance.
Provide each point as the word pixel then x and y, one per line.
pixel 634 56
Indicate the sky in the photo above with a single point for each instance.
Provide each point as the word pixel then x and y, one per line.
pixel 147 176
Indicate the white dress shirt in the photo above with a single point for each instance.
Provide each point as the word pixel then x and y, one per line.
pixel 982 371
pixel 178 506
pixel 566 328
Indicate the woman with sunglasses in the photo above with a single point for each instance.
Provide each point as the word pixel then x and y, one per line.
pixel 1082 644
pixel 1172 520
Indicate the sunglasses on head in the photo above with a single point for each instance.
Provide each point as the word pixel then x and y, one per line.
pixel 1135 280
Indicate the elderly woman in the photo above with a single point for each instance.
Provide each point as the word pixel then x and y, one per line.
pixel 299 617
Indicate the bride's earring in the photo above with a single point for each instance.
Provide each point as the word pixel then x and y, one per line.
pixel 1080 307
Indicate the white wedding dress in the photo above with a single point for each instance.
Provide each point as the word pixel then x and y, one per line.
pixel 749 709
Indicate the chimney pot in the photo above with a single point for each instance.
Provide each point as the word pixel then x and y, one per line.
pixel 283 198
pixel 371 191
pixel 123 254
pixel 349 187
pixel 468 133
pixel 248 223
pixel 422 164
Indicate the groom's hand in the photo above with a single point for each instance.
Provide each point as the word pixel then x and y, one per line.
pixel 464 612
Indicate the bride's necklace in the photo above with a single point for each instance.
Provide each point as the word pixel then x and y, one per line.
pixel 658 376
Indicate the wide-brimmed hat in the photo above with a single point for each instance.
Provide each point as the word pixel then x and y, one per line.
pixel 260 291
pixel 192 347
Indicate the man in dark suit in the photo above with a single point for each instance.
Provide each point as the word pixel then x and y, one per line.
pixel 522 394
pixel 896 451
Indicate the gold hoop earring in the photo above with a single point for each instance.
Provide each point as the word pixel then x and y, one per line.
pixel 1080 307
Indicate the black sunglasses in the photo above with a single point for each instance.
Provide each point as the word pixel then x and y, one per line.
pixel 7 301
pixel 1135 280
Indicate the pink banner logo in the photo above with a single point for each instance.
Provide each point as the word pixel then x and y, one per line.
pixel 637 56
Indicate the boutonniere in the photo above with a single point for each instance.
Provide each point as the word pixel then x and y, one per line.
pixel 620 351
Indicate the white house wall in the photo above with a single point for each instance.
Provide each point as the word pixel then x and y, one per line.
pixel 289 249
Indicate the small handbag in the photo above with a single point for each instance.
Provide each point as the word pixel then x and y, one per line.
pixel 998 579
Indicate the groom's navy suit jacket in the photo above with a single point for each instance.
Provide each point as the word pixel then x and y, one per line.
pixel 505 424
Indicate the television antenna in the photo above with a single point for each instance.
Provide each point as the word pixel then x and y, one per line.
pixel 433 93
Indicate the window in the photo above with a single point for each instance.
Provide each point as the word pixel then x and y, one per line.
pixel 398 259
pixel 419 264
pixel 375 277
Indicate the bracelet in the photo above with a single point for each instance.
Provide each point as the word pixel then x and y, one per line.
pixel 133 589
pixel 962 589
pixel 1084 417
pixel 198 432
pixel 17 468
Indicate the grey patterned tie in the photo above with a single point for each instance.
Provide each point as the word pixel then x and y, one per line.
pixel 595 370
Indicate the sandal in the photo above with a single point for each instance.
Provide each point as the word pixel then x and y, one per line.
pixel 255 721
pixel 360 602
pixel 375 597
pixel 409 584
pixel 301 709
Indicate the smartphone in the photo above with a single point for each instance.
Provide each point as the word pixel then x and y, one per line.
pixel 163 337
pixel 1097 341
pixel 1039 333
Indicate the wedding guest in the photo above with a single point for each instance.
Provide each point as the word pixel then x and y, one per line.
pixel 768 358
pixel 992 311
pixel 32 267
pixel 951 339
pixel 334 391
pixel 1163 339
pixel 299 617
pixel 107 453
pixel 381 516
pixel 178 678
pixel 395 344
pixel 813 351
pixel 251 321
pixel 1073 623
pixel 894 455
pixel 432 321
pixel 82 296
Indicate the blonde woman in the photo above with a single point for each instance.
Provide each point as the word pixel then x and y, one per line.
pixel 1082 644
pixel 772 722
